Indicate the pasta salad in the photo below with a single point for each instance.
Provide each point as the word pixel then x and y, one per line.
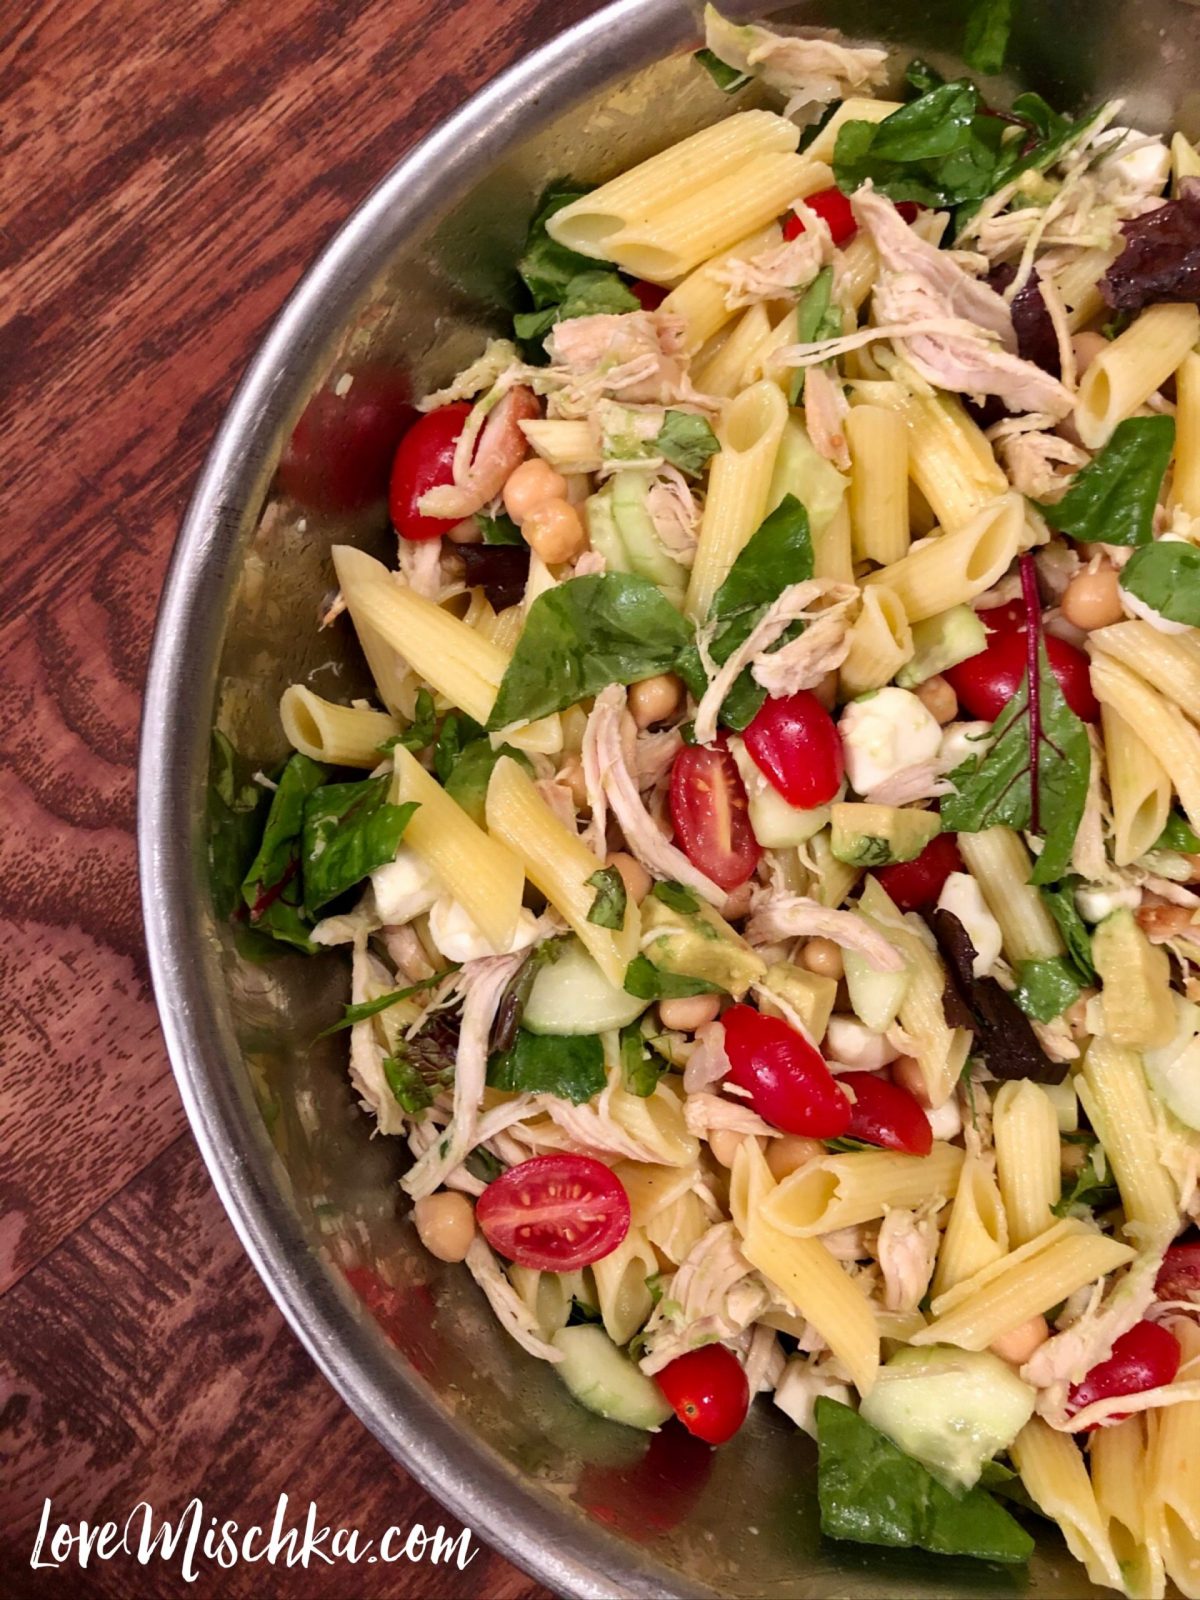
pixel 770 864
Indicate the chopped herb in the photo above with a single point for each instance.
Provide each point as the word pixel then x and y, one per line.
pixel 273 888
pixel 383 1002
pixel 638 1071
pixel 516 994
pixel 500 529
pixel 420 730
pixel 728 79
pixel 349 830
pixel 1178 836
pixel 456 732
pixel 482 1164
pixel 1113 498
pixel 921 77
pixel 1166 577
pixel 607 910
pixel 845 1146
pixel 818 316
pixel 420 1068
pixel 1116 325
pixel 648 982
pixel 1046 988
pixel 686 441
pixel 678 898
pixel 571 1066
pixel 1059 900
pixel 1093 1188
pixel 409 1088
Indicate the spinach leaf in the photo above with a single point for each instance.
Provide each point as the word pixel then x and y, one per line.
pixel 500 529
pixel 648 982
pixel 728 79
pixel 608 908
pixel 587 294
pixel 638 1069
pixel 1166 577
pixel 678 898
pixel 472 772
pixel 547 267
pixel 349 830
pixel 582 635
pixel 938 150
pixel 1113 498
pixel 919 75
pixel 236 813
pixel 1094 1188
pixel 410 1090
pixel 1046 988
pixel 1178 835
pixel 571 1066
pixel 686 441
pixel 420 730
pixel 871 1492
pixel 384 1002
pixel 1059 900
pixel 456 732
pixel 273 887
pixel 818 316
pixel 989 23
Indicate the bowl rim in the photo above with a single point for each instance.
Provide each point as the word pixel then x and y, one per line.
pixel 464 1474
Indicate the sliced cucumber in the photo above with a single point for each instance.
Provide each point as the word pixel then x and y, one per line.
pixel 952 1409
pixel 1173 1070
pixel 572 995
pixel 602 1378
pixel 875 997
pixel 645 550
pixel 777 825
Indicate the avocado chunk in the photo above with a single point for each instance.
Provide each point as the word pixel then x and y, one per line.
pixel 941 642
pixel 864 835
pixel 699 944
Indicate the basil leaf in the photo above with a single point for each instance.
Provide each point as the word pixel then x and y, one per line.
pixel 547 267
pixel 938 150
pixel 456 732
pixel 423 1066
pixel 472 772
pixel 482 1164
pixel 678 898
pixel 919 75
pixel 569 1066
pixel 349 830
pixel 844 1146
pixel 383 1002
pixel 989 23
pixel 584 634
pixel 1166 577
pixel 818 317
pixel 273 887
pixel 1094 1188
pixel 587 294
pixel 1178 835
pixel 871 1492
pixel 1113 498
pixel 638 1070
pixel 686 441
pixel 998 788
pixel 648 982
pixel 500 529
pixel 1045 988
pixel 1059 900
pixel 608 908
pixel 728 79
pixel 420 731
pixel 409 1088
pixel 236 814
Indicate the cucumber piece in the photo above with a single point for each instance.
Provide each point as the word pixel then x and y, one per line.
pixel 875 997
pixel 951 1409
pixel 644 549
pixel 602 532
pixel 942 642
pixel 601 1377
pixel 572 996
pixel 777 825
pixel 1173 1069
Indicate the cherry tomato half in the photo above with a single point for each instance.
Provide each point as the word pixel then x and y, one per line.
pixel 786 1078
pixel 915 885
pixel 1179 1276
pixel 795 744
pixel 986 683
pixel 648 295
pixel 424 461
pixel 554 1213
pixel 711 815
pixel 885 1114
pixel 835 210
pixel 708 1390
pixel 341 450
pixel 1145 1357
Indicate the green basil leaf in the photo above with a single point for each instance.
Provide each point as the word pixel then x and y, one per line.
pixel 482 1164
pixel 686 441
pixel 1113 498
pixel 638 1069
pixel 1178 836
pixel 420 731
pixel 818 316
pixel 728 79
pixel 546 266
pixel 648 982
pixel 456 732
pixel 587 294
pixel 608 908
pixel 273 888
pixel 571 1066
pixel 1046 988
pixel 989 23
pixel 500 529
pixel 1166 577
pixel 1059 900
pixel 408 1087
pixel 349 830
pixel 383 1002
pixel 919 75
pixel 237 811
pixel 937 150
pixel 871 1492
pixel 1094 1188
pixel 675 896
pixel 472 771
pixel 582 635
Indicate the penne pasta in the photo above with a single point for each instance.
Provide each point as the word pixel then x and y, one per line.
pixel 840 1191
pixel 1161 723
pixel 1113 1091
pixel 1134 366
pixel 347 736
pixel 1053 1472
pixel 1138 787
pixel 701 298
pixel 977 1231
pixel 878 442
pixel 880 643
pixel 952 568
pixel 1000 864
pixel 1025 1130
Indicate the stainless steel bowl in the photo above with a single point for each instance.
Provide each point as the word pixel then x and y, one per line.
pixel 415 278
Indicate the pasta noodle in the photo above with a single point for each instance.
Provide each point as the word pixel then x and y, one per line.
pixel 1053 1472
pixel 1112 1089
pixel 878 444
pixel 1138 787
pixel 880 643
pixel 1139 361
pixel 348 736
pixel 701 298
pixel 1118 1460
pixel 953 568
pixel 839 1191
pixel 1172 737
pixel 1025 1130
pixel 977 1232
pixel 1173 1477
pixel 1000 864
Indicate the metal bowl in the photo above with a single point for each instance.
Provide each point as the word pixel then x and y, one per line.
pixel 415 278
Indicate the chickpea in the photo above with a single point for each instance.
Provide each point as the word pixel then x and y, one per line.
pixel 1093 600
pixel 571 774
pixel 906 1071
pixel 823 957
pixel 634 876
pixel 445 1224
pixel 530 485
pixel 938 698
pixel 1087 346
pixel 655 699
pixel 725 1144
pixel 737 902
pixel 1075 1016
pixel 826 690
pixel 790 1152
pixel 686 1015
pixel 1071 1158
pixel 467 531
pixel 553 530
pixel 1017 1347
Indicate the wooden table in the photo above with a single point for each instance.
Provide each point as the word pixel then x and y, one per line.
pixel 170 170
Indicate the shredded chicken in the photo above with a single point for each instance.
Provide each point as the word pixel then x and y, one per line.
pixel 708 1063
pixel 906 1251
pixel 924 781
pixel 369 978
pixel 825 413
pixel 675 514
pixel 559 798
pixel 406 951
pixel 420 563
pixel 792 916
pixel 498 356
pixel 802 663
pixel 812 72
pixel 1088 856
pixel 764 1359
pixel 803 1383
pixel 714 1294
pixel 705 1113
pixel 512 1313
pixel 1034 463
pixel 778 272
pixel 483 464
pixel 1064 1359
pixel 654 755
pixel 636 356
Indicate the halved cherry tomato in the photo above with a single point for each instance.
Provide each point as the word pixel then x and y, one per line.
pixel 711 814
pixel 1145 1357
pixel 554 1213
pixel 424 461
pixel 1179 1276
pixel 885 1114
pixel 915 885
pixel 986 683
pixel 795 744
pixel 341 450
pixel 835 210
pixel 649 295
pixel 709 1392
pixel 785 1076
pixel 1011 617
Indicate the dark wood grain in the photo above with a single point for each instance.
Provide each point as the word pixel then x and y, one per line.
pixel 170 169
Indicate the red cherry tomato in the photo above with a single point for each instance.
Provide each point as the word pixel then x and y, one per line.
pixel 1179 1276
pixel 986 683
pixel 915 885
pixel 711 815
pixel 554 1213
pixel 649 295
pixel 424 461
pixel 835 210
pixel 786 1078
pixel 885 1114
pixel 341 450
pixel 709 1392
pixel 795 744
pixel 1011 617
pixel 1145 1357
